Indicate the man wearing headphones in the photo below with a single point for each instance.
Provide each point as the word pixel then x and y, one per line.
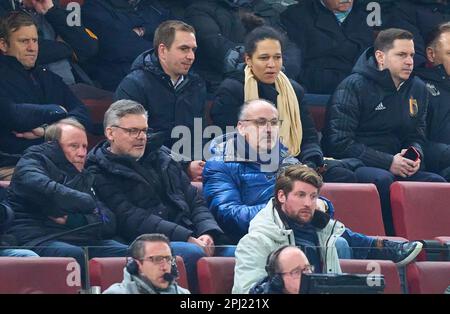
pixel 284 268
pixel 152 269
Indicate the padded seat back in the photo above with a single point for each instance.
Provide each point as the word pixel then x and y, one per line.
pixel 420 210
pixel 20 275
pixel 215 275
pixel 357 205
pixel 428 277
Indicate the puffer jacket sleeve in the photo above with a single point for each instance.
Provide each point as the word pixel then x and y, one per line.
pixel 339 140
pixel 221 190
pixel 12 114
pixel 31 181
pixel 132 220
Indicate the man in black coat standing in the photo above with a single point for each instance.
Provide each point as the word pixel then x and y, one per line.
pixel 31 97
pixel 378 113
pixel 56 210
pixel 148 190
pixel 437 78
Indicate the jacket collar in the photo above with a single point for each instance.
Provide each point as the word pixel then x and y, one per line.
pixel 15 64
pixel 436 74
pixel 53 151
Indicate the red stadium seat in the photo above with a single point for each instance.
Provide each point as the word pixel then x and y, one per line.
pixel 386 268
pixel 357 205
pixel 318 116
pixel 428 277
pixel 420 209
pixel 39 275
pixel 105 271
pixel 215 275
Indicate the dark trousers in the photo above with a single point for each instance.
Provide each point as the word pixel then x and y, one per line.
pixel 383 180
pixel 102 248
pixel 339 174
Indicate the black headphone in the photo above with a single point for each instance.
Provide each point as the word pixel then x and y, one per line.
pixel 275 280
pixel 133 267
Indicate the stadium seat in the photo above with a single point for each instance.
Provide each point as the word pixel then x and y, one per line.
pixel 387 268
pixel 428 277
pixel 215 275
pixel 357 205
pixel 420 209
pixel 317 105
pixel 20 275
pixel 318 116
pixel 105 271
pixel 97 109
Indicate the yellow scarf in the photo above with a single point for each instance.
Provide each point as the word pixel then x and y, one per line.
pixel 287 104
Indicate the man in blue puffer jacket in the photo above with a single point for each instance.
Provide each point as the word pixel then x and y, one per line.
pixel 239 181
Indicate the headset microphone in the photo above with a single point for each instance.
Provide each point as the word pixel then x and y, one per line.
pixel 169 277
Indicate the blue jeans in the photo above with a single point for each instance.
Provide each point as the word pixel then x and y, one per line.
pixel 383 180
pixel 191 253
pixel 101 248
pixel 17 253
pixel 357 245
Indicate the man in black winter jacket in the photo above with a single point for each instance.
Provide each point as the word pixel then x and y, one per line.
pixel 437 78
pixel 30 96
pixel 162 82
pixel 61 46
pixel 148 190
pixel 56 210
pixel 377 113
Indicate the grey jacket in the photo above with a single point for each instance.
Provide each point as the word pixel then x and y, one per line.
pixel 266 233
pixel 132 284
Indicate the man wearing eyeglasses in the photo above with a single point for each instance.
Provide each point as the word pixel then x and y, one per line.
pixel 148 190
pixel 151 270
pixel 238 179
pixel 284 268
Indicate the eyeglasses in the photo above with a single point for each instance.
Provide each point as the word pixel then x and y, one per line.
pixel 296 272
pixel 158 259
pixel 263 122
pixel 134 132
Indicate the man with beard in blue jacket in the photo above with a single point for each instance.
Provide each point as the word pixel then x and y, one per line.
pixel 377 113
